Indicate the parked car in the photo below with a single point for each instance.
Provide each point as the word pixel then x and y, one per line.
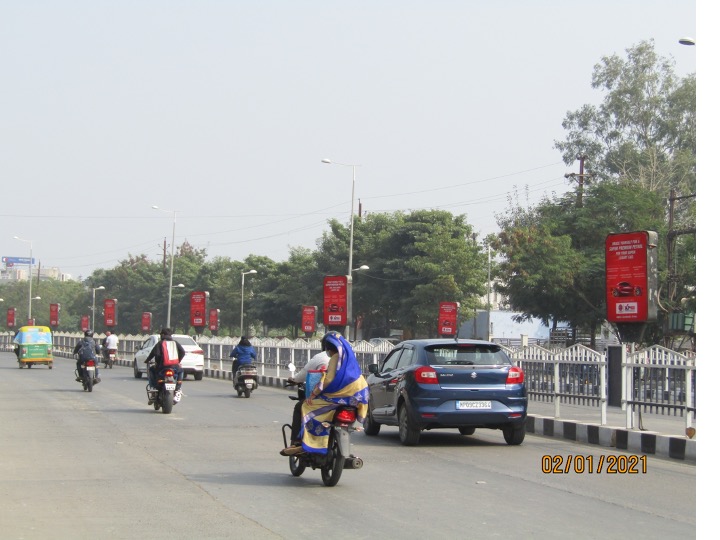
pixel 193 363
pixel 464 384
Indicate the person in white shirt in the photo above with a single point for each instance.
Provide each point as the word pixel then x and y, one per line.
pixel 317 362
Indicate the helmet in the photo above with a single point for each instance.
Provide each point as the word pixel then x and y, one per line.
pixel 324 341
pixel 88 333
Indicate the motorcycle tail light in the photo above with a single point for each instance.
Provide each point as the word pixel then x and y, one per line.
pixel 346 416
pixel 90 363
pixel 169 373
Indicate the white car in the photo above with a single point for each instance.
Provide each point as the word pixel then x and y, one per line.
pixel 192 363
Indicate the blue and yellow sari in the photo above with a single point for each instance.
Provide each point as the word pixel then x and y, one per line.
pixel 342 384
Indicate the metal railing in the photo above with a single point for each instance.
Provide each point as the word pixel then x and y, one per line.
pixel 655 379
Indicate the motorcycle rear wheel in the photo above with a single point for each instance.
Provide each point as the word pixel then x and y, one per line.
pixel 247 391
pixel 331 473
pixel 89 384
pixel 167 402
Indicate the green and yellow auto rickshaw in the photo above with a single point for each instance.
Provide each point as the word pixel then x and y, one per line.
pixel 33 345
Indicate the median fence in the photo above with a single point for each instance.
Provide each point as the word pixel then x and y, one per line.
pixel 655 380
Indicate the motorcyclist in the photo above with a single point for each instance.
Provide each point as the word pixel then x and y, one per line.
pixel 243 353
pixel 80 363
pixel 110 344
pixel 342 384
pixel 167 353
pixel 319 362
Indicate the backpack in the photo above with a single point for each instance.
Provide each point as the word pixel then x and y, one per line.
pixel 170 353
pixel 87 350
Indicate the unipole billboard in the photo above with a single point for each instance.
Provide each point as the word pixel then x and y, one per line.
pixel 110 312
pixel 198 309
pixel 54 315
pixel 448 318
pixel 335 300
pixel 146 321
pixel 631 277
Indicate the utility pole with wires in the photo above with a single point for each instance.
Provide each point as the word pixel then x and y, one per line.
pixel 580 178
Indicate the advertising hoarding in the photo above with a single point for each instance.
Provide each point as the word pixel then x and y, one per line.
pixel 447 318
pixel 335 300
pixel 631 277
pixel 309 319
pixel 10 321
pixel 110 312
pixel 146 321
pixel 54 315
pixel 198 308
pixel 214 319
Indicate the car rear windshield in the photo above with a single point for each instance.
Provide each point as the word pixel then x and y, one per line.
pixel 183 340
pixel 466 355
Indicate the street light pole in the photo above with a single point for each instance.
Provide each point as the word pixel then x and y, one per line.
pixel 29 277
pixel 100 288
pixel 172 260
pixel 352 234
pixel 242 300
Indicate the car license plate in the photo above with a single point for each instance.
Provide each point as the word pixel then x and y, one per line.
pixel 170 387
pixel 462 405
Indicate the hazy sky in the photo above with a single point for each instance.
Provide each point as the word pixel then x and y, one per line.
pixel 222 111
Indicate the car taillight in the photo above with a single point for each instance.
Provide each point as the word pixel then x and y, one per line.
pixel 346 416
pixel 515 376
pixel 426 375
pixel 199 351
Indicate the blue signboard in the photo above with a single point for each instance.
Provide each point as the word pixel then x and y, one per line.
pixel 17 260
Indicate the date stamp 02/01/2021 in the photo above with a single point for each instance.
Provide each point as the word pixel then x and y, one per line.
pixel 589 464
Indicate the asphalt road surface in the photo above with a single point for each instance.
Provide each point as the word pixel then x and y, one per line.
pixel 106 465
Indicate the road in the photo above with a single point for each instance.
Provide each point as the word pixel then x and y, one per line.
pixel 106 465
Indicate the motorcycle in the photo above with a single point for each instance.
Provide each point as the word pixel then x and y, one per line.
pixel 166 394
pixel 338 456
pixel 109 357
pixel 246 379
pixel 87 375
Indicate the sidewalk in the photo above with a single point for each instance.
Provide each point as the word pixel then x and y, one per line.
pixel 661 435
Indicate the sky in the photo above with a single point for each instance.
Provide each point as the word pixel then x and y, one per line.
pixel 220 112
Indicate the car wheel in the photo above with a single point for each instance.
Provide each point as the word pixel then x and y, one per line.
pixel 409 435
pixel 370 426
pixel 466 430
pixel 514 434
pixel 136 371
pixel 198 376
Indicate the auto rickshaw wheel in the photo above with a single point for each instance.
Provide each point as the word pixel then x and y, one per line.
pixel 20 365
pixel 29 365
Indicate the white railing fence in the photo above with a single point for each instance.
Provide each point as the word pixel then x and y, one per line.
pixel 654 379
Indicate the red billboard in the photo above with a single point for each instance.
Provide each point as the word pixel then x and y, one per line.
pixel 110 312
pixel 447 318
pixel 85 323
pixel 214 319
pixel 198 308
pixel 146 321
pixel 309 319
pixel 631 277
pixel 54 315
pixel 11 317
pixel 335 301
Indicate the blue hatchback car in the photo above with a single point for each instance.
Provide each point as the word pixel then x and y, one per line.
pixel 425 384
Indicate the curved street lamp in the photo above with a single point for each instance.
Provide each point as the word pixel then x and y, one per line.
pixel 100 288
pixel 242 300
pixel 352 234
pixel 29 277
pixel 172 260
